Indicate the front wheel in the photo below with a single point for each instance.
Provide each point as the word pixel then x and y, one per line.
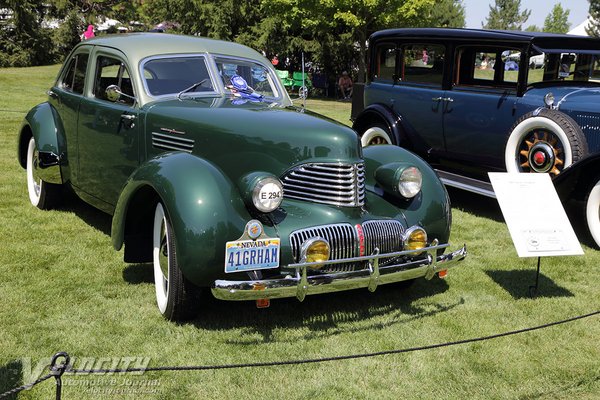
pixel 544 141
pixel 592 212
pixel 173 291
pixel 42 194
pixel 375 135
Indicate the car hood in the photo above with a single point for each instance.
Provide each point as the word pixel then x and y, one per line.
pixel 242 136
pixel 569 98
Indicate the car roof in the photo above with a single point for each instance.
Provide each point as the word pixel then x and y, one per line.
pixel 541 39
pixel 138 46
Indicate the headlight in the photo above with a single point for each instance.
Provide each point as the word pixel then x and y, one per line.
pixel 399 179
pixel 415 238
pixel 267 194
pixel 410 182
pixel 549 99
pixel 315 250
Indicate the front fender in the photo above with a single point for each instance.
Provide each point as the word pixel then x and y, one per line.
pixel 43 123
pixel 430 208
pixel 575 181
pixel 204 206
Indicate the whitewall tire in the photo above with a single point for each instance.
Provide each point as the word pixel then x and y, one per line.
pixel 592 212
pixel 375 135
pixel 42 194
pixel 544 141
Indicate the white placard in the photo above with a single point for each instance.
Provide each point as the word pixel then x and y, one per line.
pixel 535 217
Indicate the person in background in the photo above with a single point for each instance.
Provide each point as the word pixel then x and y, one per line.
pixel 89 33
pixel 345 85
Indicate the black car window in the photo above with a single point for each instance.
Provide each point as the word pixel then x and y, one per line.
pixel 111 71
pixel 423 63
pixel 384 69
pixel 74 78
pixel 174 74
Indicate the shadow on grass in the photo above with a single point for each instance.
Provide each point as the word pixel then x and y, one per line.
pixel 11 377
pixel 88 214
pixel 476 204
pixel 138 273
pixel 322 315
pixel 517 283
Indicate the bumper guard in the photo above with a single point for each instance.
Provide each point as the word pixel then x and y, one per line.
pixel 370 277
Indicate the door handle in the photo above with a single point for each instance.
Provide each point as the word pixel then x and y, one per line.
pixel 52 94
pixel 128 120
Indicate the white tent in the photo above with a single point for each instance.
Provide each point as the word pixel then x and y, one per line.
pixel 111 22
pixel 580 29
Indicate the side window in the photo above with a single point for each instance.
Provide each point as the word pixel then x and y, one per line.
pixel 384 68
pixel 74 78
pixel 423 63
pixel 487 66
pixel 111 71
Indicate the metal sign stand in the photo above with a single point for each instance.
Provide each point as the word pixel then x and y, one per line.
pixel 533 290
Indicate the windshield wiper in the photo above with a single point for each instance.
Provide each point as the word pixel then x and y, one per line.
pixel 194 86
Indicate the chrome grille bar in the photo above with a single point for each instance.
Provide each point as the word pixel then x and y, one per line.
pixel 386 235
pixel 336 184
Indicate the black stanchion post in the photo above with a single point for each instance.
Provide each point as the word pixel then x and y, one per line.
pixel 58 370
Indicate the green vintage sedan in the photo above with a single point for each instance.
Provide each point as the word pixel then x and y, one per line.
pixel 210 174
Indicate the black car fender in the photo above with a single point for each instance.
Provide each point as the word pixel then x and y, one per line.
pixel 379 113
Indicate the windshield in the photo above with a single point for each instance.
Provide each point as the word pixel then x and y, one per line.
pixel 172 75
pixel 564 67
pixel 258 78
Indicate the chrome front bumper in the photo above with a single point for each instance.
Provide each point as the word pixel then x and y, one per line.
pixel 301 285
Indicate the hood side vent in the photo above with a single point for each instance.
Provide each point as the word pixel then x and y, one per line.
pixel 171 143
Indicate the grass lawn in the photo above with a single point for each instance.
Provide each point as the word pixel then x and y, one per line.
pixel 63 288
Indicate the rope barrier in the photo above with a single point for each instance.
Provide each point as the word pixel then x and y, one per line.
pixel 58 370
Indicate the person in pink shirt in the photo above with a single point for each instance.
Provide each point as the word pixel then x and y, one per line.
pixel 89 33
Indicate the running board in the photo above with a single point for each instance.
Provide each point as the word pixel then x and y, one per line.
pixel 468 184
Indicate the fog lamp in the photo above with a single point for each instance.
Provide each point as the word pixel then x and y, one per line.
pixel 410 182
pixel 415 238
pixel 315 250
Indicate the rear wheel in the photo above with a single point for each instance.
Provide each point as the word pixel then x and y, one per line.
pixel 173 291
pixel 42 194
pixel 544 141
pixel 375 135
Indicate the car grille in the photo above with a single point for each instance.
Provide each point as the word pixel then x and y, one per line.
pixel 171 143
pixel 335 184
pixel 344 241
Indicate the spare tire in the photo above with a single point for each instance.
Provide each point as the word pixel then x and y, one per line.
pixel 544 141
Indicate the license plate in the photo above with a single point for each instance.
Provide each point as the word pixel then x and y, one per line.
pixel 249 255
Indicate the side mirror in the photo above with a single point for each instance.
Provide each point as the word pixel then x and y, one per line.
pixel 113 93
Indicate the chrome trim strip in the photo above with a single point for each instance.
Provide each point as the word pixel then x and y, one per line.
pixel 169 142
pixel 371 277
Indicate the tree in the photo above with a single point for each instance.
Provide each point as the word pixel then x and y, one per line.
pixel 447 14
pixel 558 20
pixel 23 40
pixel 507 14
pixel 593 28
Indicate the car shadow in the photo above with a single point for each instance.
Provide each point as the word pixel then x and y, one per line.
pixel 11 376
pixel 518 283
pixel 322 315
pixel 90 215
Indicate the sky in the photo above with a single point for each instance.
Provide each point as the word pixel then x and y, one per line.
pixel 478 10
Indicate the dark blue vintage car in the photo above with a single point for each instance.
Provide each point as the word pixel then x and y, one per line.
pixel 475 101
